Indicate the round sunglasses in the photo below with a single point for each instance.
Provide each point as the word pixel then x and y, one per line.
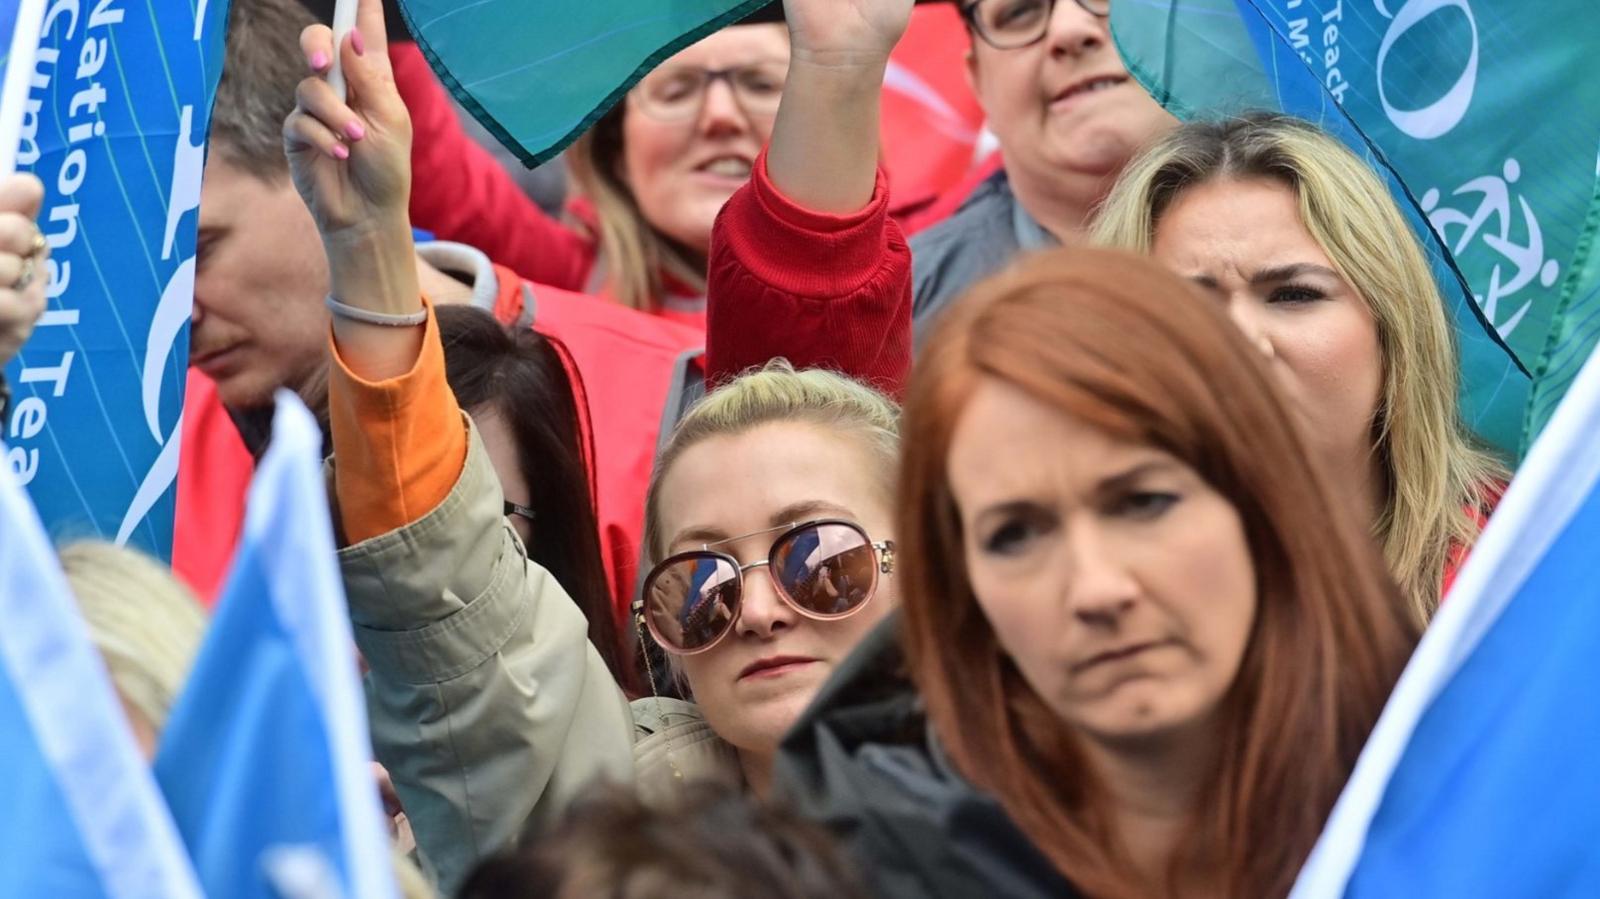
pixel 825 570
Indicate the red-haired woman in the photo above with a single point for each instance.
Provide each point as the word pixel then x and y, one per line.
pixel 1135 611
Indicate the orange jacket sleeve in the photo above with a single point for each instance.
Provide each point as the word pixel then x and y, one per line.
pixel 400 444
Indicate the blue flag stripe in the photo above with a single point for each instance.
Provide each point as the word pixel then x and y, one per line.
pixel 61 684
pixel 295 538
pixel 1560 474
pixel 266 760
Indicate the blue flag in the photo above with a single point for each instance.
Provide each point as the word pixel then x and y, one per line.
pixel 81 815
pixel 118 104
pixel 1480 778
pixel 266 760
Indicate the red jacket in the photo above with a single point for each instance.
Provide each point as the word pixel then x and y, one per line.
pixel 214 470
pixel 626 365
pixel 824 291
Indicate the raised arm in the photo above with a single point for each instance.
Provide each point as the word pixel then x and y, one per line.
pixel 805 262
pixel 488 706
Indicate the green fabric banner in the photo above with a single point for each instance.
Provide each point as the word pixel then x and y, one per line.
pixel 538 73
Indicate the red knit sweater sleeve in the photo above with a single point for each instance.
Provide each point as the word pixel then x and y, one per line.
pixel 823 291
pixel 459 192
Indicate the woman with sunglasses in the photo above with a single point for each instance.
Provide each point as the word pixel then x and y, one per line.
pixel 1146 637
pixel 770 512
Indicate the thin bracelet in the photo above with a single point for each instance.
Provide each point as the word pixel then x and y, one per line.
pixel 409 319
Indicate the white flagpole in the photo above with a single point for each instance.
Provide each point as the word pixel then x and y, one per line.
pixel 344 22
pixel 14 90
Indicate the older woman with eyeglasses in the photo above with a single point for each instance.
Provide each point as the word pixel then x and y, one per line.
pixel 1067 116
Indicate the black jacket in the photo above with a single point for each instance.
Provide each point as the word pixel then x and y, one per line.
pixel 863 762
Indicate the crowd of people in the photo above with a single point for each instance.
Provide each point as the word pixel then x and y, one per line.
pixel 674 573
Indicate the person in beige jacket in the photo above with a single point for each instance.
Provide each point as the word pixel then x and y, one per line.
pixel 489 708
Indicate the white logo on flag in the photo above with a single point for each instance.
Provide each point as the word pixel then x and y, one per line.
pixel 1523 261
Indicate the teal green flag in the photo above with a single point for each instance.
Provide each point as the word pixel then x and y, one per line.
pixel 1484 116
pixel 538 73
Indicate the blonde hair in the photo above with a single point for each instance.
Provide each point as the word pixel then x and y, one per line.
pixel 1437 478
pixel 773 393
pixel 145 624
pixel 635 256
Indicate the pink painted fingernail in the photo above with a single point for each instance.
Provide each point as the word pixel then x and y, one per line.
pixel 358 43
pixel 340 151
pixel 354 131
pixel 319 61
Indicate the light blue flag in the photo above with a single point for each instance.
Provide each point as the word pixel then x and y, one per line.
pixel 80 815
pixel 118 105
pixel 266 761
pixel 1482 777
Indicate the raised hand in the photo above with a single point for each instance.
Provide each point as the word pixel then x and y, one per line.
pixel 845 32
pixel 350 157
pixel 351 162
pixel 22 255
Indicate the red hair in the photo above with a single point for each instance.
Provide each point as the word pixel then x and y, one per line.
pixel 1120 343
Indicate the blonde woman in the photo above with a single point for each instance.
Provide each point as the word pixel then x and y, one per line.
pixel 146 625
pixel 1301 241
pixel 1320 269
pixel 490 708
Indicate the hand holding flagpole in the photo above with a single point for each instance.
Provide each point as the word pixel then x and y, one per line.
pixel 350 158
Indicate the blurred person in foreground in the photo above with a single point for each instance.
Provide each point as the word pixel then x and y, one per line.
pixel 708 843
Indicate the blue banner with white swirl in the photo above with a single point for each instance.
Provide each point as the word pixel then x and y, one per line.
pixel 118 105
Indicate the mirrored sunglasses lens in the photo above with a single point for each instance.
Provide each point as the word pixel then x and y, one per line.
pixel 827 569
pixel 692 602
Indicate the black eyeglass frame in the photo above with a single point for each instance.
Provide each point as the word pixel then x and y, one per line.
pixel 1100 9
pixel 883 550
pixel 728 76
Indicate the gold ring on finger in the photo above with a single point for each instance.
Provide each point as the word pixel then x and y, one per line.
pixel 26 276
pixel 39 243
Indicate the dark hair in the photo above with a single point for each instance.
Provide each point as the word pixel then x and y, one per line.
pixel 709 842
pixel 1122 344
pixel 261 69
pixel 519 375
